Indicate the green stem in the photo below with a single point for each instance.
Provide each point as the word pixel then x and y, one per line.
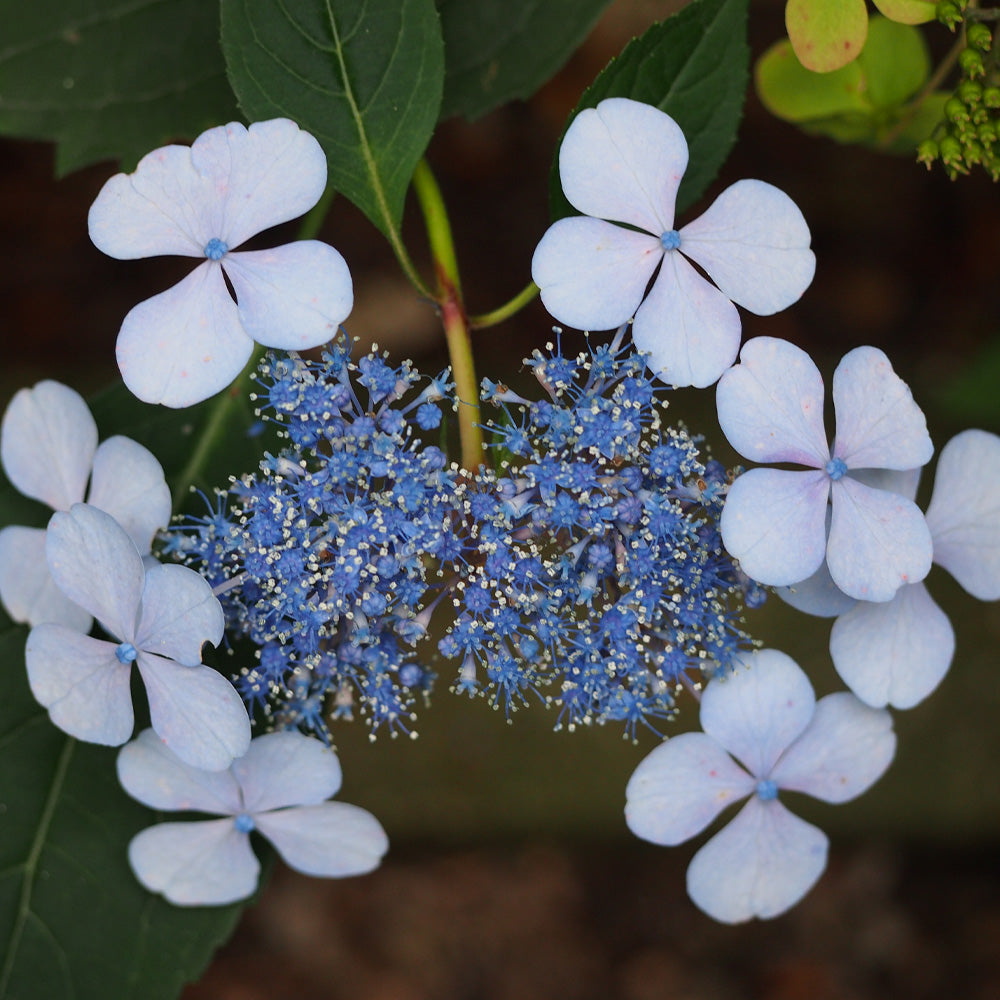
pixel 313 221
pixel 505 311
pixel 453 317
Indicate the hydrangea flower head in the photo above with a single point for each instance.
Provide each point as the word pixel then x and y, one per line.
pixel 279 788
pixel 766 716
pixel 187 343
pixel 48 448
pixel 775 520
pixel 623 162
pixel 159 619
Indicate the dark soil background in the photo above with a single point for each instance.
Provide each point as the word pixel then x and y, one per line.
pixel 511 873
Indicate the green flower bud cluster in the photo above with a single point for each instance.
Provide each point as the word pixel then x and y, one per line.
pixel 968 135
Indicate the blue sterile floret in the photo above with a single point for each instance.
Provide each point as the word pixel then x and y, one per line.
pixel 585 572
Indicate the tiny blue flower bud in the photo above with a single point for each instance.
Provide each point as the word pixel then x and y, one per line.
pixel 836 468
pixel 244 822
pixel 126 653
pixel 216 249
pixel 767 790
pixel 670 240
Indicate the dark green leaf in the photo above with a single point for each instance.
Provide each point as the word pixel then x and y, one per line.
pixel 694 66
pixel 499 50
pixel 108 79
pixel 364 78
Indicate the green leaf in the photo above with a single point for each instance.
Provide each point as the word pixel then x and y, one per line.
pixel 828 34
pixel 865 101
pixel 694 66
pixel 908 11
pixel 364 78
pixel 499 50
pixel 107 79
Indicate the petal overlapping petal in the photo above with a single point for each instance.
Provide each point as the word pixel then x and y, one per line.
pixel 687 327
pixel 878 423
pixel 624 161
pixel 774 522
pixel 770 405
pixel 817 595
pixel 185 344
pixel 47 442
pixel 681 787
pixel 759 709
pixel 759 865
pixel 964 512
pixel 845 749
pixel 331 840
pixel 592 275
pixel 292 297
pixel 753 242
pixel 179 614
pixel 82 684
pixel 127 483
pixel 27 590
pixel 206 863
pixel 195 711
pixel 896 652
pixel 286 769
pixel 879 541
pixel 96 565
pixel 151 773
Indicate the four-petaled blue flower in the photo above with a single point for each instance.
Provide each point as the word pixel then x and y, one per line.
pixel 279 788
pixel 187 343
pixel 765 715
pixel 623 161
pixel 775 520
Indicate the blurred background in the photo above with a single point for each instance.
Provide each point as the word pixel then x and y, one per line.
pixel 512 874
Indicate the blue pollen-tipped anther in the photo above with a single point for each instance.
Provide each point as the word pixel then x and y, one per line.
pixel 836 468
pixel 126 653
pixel 216 249
pixel 244 823
pixel 767 790
pixel 670 240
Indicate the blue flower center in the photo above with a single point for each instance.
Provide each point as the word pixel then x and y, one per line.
pixel 767 790
pixel 216 249
pixel 670 240
pixel 126 653
pixel 244 822
pixel 836 468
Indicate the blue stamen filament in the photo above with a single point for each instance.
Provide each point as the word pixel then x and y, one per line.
pixel 243 822
pixel 216 249
pixel 670 240
pixel 836 468
pixel 126 653
pixel 767 790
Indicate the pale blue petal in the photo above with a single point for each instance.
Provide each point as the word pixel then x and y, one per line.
pixel 964 512
pixel 771 405
pixel 758 710
pixel 843 752
pixel 286 769
pixel 774 522
pixel 47 442
pixel 903 482
pixel 27 590
pixel 195 711
pixel 593 275
pixel 206 863
pixel 896 652
pixel 878 541
pixel 624 161
pixel 97 566
pixel 331 840
pixel 293 297
pixel 681 787
pixel 82 684
pixel 271 173
pixel 760 865
pixel 754 244
pixel 817 595
pixel 151 773
pixel 186 343
pixel 687 327
pixel 128 484
pixel 179 614
pixel 878 424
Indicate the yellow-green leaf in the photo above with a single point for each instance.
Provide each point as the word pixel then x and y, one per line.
pixel 826 34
